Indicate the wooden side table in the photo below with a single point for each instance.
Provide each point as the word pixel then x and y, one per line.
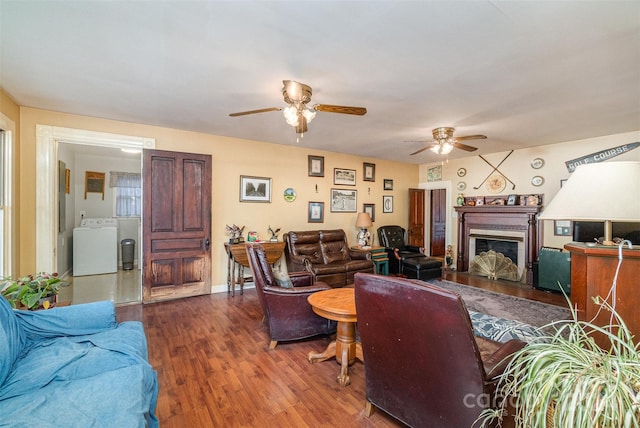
pixel 338 304
pixel 237 255
pixel 379 258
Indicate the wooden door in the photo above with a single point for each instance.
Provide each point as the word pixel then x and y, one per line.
pixel 176 225
pixel 438 221
pixel 415 230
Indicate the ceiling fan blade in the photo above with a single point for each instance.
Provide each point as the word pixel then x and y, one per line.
pixel 358 111
pixel 263 110
pixel 464 147
pixel 421 150
pixel 471 137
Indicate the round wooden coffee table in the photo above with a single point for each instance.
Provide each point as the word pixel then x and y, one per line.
pixel 338 304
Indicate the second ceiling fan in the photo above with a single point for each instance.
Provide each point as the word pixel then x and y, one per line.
pixel 297 113
pixel 444 141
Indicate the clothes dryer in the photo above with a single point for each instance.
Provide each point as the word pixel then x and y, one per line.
pixel 95 247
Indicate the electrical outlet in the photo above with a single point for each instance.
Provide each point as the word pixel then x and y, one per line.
pixel 83 213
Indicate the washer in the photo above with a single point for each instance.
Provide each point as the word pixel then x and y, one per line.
pixel 95 247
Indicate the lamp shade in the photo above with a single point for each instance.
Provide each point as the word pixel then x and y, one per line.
pixel 363 221
pixel 606 191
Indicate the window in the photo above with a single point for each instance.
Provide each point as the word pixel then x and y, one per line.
pixel 127 193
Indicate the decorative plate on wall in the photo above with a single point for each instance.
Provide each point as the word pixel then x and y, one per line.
pixel 496 183
pixel 289 195
pixel 461 185
pixel 462 172
pixel 537 163
pixel 537 181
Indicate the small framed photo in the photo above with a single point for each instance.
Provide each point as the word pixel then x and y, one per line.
pixel 388 184
pixel 344 177
pixel 316 212
pixel 533 200
pixel 369 171
pixel 562 228
pixel 371 210
pixel 512 199
pixel 255 189
pixel 344 201
pixel 387 204
pixel 316 166
pixel 479 201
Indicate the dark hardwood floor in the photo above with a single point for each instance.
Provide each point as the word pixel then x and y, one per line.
pixel 215 369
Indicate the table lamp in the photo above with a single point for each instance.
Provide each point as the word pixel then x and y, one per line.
pixel 606 191
pixel 363 221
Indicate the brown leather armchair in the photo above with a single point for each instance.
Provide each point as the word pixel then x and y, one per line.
pixel 422 363
pixel 286 310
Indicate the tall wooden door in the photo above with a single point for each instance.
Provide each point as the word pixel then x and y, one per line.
pixel 415 231
pixel 438 221
pixel 176 225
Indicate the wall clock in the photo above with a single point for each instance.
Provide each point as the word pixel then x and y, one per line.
pixel 496 183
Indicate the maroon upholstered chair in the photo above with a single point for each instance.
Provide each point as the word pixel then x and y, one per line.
pixel 422 363
pixel 286 310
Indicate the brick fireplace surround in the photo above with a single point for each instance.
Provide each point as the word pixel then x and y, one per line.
pixel 504 220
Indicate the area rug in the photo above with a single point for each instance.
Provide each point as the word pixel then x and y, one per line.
pixel 504 306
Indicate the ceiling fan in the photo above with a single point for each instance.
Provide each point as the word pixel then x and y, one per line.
pixel 297 114
pixel 444 141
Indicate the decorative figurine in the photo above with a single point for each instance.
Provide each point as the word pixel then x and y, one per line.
pixel 252 236
pixel 448 257
pixel 236 234
pixel 274 234
pixel 460 200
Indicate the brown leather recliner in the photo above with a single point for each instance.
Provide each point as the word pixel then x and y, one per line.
pixel 286 310
pixel 422 363
pixel 326 254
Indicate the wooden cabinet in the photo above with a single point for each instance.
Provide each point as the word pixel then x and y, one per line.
pixel 593 270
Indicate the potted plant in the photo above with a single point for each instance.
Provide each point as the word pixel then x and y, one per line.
pixel 564 379
pixel 32 291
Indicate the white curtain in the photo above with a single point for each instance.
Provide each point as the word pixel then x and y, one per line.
pixel 128 192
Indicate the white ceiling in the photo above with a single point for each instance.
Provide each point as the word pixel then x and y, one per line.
pixel 522 73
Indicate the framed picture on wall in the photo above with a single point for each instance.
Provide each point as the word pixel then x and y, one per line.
pixel 316 166
pixel 371 210
pixel 316 212
pixel 387 204
pixel 345 177
pixel 255 189
pixel 562 228
pixel 369 171
pixel 388 184
pixel 344 201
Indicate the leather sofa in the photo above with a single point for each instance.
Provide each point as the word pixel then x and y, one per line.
pixel 422 362
pixel 407 260
pixel 326 254
pixel 286 310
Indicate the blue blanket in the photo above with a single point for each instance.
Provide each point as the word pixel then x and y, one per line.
pixel 74 367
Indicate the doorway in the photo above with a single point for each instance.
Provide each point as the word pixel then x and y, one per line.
pixel 449 224
pixel 48 139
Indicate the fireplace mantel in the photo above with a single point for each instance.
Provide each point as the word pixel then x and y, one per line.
pixel 500 218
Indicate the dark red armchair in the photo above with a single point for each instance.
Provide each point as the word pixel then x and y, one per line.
pixel 286 310
pixel 422 363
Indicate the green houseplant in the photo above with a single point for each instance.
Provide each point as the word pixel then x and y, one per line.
pixel 565 379
pixel 32 291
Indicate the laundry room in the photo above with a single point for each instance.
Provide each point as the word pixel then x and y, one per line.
pixel 99 207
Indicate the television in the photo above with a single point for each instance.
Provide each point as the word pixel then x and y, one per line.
pixel 589 231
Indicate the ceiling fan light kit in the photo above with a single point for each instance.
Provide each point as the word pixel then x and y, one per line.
pixel 297 114
pixel 444 142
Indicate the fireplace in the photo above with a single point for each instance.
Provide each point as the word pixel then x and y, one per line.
pixel 509 243
pixel 510 228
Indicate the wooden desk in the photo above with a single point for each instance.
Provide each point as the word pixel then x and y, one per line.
pixel 592 272
pixel 237 255
pixel 338 304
